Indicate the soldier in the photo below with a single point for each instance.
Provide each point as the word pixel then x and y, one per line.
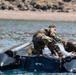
pixel 49 38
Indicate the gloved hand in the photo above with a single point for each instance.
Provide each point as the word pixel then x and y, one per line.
pixel 67 59
pixel 62 57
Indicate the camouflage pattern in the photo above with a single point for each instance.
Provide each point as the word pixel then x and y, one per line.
pixel 46 37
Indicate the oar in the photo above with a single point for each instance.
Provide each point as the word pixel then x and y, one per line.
pixel 6 59
pixel 18 47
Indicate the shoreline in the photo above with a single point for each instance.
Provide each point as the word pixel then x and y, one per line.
pixel 33 15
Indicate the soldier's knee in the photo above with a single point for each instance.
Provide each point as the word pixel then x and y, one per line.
pixel 37 52
pixel 38 49
pixel 34 52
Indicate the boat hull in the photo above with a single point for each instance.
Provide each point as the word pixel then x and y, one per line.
pixel 40 63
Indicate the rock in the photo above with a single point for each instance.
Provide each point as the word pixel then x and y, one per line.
pixel 16 9
pixel 43 5
pixel 22 7
pixel 10 0
pixel 67 0
pixel 39 5
pixel 3 7
pixel 10 8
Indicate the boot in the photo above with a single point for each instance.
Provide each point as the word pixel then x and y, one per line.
pixel 30 50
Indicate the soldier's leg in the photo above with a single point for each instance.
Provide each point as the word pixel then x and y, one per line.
pixel 52 48
pixel 38 45
pixel 48 41
pixel 38 48
pixel 55 49
pixel 58 51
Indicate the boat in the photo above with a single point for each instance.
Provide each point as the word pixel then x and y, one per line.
pixel 18 58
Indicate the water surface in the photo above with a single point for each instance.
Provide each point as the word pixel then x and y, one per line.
pixel 15 32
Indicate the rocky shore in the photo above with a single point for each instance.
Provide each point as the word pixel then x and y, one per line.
pixel 55 10
pixel 39 5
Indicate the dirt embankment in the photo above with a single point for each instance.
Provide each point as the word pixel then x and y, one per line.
pixel 39 5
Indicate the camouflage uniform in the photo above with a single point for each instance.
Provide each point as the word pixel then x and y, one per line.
pixel 45 37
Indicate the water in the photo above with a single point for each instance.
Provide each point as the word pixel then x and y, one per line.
pixel 22 72
pixel 13 32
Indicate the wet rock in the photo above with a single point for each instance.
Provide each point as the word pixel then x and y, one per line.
pixel 10 0
pixel 16 9
pixel 3 7
pixel 30 7
pixel 59 7
pixel 67 0
pixel 21 6
pixel 23 1
pixel 10 8
pixel 39 5
pixel 43 5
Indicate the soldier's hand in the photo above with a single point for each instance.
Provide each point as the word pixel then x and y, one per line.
pixel 67 59
pixel 63 40
pixel 62 57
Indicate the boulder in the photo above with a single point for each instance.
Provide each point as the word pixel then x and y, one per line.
pixel 42 4
pixel 39 5
pixel 22 7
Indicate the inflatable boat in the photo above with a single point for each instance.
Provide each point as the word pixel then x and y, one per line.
pixel 18 58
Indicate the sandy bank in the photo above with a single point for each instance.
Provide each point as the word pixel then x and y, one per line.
pixel 28 15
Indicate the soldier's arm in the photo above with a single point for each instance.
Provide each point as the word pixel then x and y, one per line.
pixel 56 37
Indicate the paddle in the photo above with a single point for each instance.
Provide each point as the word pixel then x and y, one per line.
pixel 5 59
